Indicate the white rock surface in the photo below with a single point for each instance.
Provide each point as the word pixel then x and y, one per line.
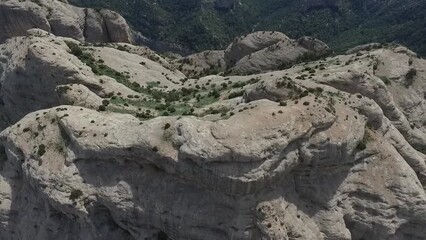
pixel 328 149
pixel 265 51
pixel 204 63
pixel 32 67
pixel 62 19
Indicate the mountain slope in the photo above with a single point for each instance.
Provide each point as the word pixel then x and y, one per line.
pixel 111 142
pixel 199 25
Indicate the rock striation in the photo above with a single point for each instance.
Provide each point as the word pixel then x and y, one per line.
pixel 265 51
pixel 254 53
pixel 32 67
pixel 332 148
pixel 62 19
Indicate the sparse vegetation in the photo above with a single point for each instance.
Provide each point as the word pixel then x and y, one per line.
pixel 236 94
pixel 362 145
pixel 75 49
pixel 410 77
pixel 102 108
pixel 386 80
pixel 41 150
pixel 75 194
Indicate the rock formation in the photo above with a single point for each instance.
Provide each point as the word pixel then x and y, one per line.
pixel 204 63
pixel 33 66
pixel 112 142
pixel 62 19
pixel 254 53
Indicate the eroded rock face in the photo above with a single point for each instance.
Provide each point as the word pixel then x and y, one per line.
pixel 265 51
pixel 204 63
pixel 62 19
pixel 32 67
pixel 251 43
pixel 329 149
pixel 253 53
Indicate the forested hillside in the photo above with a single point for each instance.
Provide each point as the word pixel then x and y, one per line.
pixel 201 24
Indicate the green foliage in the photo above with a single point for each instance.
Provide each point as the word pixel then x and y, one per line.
pixel 283 104
pixel 102 108
pixel 385 80
pixel 198 25
pixel 361 146
pixel 75 49
pixel 236 94
pixel 41 150
pixel 75 194
pixel 410 77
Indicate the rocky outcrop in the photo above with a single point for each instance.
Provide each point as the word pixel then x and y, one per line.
pixel 265 51
pixel 326 149
pixel 32 67
pixel 248 44
pixel 62 19
pixel 201 64
pixel 254 53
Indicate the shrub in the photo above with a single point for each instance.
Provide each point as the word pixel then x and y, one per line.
pixel 171 109
pixel 386 80
pixel 102 108
pixel 167 126
pixel 75 194
pixel 214 93
pixel 236 94
pixel 122 48
pixel 361 146
pixel 105 102
pixel 63 89
pixel 75 49
pixel 409 77
pixel 41 150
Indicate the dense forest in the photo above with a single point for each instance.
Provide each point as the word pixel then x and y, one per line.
pixel 199 24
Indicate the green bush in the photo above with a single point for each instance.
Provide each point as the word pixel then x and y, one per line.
pixel 102 108
pixel 75 49
pixel 41 150
pixel 409 77
pixel 105 102
pixel 283 104
pixel 75 194
pixel 236 94
pixel 361 146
